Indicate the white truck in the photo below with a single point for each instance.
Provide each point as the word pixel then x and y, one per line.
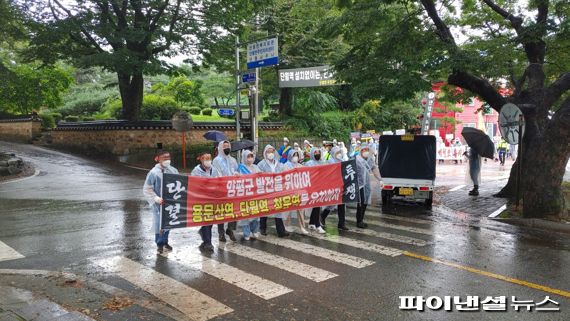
pixel 407 166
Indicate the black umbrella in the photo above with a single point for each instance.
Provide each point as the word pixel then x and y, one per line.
pixel 479 141
pixel 243 144
pixel 215 135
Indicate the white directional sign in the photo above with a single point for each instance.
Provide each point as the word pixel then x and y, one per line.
pixel 262 53
pixel 509 123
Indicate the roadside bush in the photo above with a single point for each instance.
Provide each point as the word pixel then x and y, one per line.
pixel 158 108
pixel 47 120
pixel 87 118
pixel 57 117
pixel 194 110
pixel 207 112
pixel 71 118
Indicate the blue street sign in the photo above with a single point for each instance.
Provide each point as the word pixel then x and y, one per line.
pixel 249 77
pixel 226 112
pixel 262 53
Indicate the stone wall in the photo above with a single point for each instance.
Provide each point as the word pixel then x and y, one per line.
pixel 20 130
pixel 125 138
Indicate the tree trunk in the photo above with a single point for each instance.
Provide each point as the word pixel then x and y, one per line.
pixel 131 89
pixel 285 101
pixel 545 155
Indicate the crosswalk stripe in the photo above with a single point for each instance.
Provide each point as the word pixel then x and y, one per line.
pixel 392 237
pixel 7 253
pixel 321 252
pixel 399 218
pixel 196 305
pixel 254 284
pixel 395 227
pixel 283 263
pixel 373 247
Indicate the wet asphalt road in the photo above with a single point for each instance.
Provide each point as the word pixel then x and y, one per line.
pixel 82 216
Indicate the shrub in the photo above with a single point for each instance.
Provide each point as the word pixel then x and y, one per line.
pixel 154 108
pixel 194 110
pixel 207 112
pixel 71 118
pixel 47 120
pixel 57 117
pixel 86 100
pixel 87 118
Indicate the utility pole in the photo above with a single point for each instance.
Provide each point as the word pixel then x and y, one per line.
pixel 238 103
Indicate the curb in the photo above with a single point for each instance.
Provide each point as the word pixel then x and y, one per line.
pixel 15 180
pixel 536 223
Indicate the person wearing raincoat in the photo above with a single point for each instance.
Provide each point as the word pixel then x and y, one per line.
pixel 295 156
pixel 474 171
pixel 226 165
pixel 314 221
pixel 270 164
pixel 152 188
pixel 336 157
pixel 247 166
pixel 365 165
pixel 205 169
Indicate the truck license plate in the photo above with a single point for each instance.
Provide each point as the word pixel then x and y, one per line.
pixel 406 191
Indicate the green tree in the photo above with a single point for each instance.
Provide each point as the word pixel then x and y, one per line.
pixel 130 38
pixel 392 115
pixel 185 91
pixel 32 88
pixel 400 47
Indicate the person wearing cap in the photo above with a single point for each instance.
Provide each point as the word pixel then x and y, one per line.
pixel 284 150
pixel 328 145
pixel 247 166
pixel 205 169
pixel 365 165
pixel 226 165
pixel 306 151
pixel 270 165
pixel 152 188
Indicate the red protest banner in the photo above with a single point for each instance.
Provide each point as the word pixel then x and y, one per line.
pixel 195 201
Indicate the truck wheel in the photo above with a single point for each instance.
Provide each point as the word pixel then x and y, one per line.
pixel 429 200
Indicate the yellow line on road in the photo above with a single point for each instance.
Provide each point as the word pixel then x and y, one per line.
pixel 489 274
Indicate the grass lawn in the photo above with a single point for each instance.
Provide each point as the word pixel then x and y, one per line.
pixel 214 118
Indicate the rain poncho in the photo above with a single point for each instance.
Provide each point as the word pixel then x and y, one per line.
pixel 202 172
pixel 274 166
pixel 290 164
pixel 314 162
pixel 343 150
pixel 364 167
pixel 225 164
pixel 246 170
pixel 473 171
pixel 152 188
pixel 333 153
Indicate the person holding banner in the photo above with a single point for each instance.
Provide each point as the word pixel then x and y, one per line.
pixel 247 166
pixel 270 165
pixel 226 165
pixel 365 164
pixel 314 221
pixel 294 159
pixel 337 157
pixel 205 169
pixel 151 189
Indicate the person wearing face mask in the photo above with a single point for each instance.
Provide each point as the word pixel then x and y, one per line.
pixel 294 158
pixel 337 157
pixel 328 145
pixel 365 165
pixel 152 189
pixel 247 166
pixel 205 169
pixel 344 151
pixel 284 150
pixel 314 221
pixel 269 164
pixel 226 165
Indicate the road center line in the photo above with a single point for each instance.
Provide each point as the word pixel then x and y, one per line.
pixel 490 274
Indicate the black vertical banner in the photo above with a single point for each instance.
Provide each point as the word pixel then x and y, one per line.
pixel 175 194
pixel 350 181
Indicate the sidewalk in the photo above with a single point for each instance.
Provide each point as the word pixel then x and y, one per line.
pixel 482 205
